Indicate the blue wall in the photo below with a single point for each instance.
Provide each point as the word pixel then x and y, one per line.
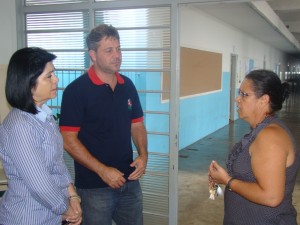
pixel 199 116
pixel 204 114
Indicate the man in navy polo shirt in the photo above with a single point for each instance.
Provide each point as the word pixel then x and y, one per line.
pixel 100 115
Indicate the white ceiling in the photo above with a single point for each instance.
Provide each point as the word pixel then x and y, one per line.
pixel 289 12
pixel 275 22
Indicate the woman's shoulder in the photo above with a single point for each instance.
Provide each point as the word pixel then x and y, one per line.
pixel 273 132
pixel 18 120
pixel 274 138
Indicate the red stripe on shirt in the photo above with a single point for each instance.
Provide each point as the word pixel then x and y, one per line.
pixel 140 119
pixel 66 128
pixel 96 80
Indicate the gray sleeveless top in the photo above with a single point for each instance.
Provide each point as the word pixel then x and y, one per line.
pixel 240 211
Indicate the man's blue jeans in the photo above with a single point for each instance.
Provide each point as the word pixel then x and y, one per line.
pixel 123 205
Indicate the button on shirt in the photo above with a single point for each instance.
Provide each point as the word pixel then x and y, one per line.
pixel 31 150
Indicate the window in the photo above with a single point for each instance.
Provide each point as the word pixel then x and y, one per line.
pixel 53 31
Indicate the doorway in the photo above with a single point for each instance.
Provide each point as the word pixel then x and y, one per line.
pixel 233 73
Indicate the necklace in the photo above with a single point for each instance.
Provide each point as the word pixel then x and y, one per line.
pixel 267 115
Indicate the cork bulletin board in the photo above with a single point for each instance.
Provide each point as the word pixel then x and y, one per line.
pixel 200 72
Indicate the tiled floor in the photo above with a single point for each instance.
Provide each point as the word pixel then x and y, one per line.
pixel 195 208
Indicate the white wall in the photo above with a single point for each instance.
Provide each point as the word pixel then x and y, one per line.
pixel 201 31
pixel 8 46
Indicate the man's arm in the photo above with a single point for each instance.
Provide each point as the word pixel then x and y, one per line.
pixel 139 137
pixel 111 176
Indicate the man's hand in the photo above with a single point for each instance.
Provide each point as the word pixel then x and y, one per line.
pixel 113 177
pixel 140 164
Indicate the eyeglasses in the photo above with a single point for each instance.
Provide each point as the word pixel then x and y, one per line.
pixel 243 94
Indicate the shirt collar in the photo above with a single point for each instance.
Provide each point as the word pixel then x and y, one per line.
pixel 97 81
pixel 43 113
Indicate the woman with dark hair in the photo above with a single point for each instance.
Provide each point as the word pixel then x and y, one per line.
pixel 40 189
pixel 262 167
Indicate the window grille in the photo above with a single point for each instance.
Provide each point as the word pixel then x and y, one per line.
pixel 51 2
